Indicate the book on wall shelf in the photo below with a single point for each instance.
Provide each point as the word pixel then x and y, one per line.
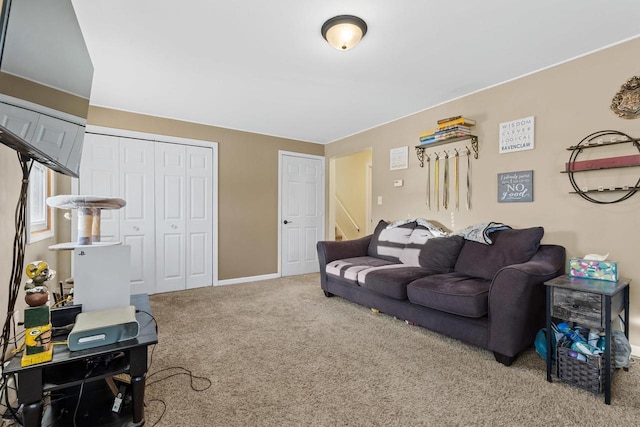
pixel 448 128
pixel 427 133
pixel 449 132
pixel 457 121
pixel 449 119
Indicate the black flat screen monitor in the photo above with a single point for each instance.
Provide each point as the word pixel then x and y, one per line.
pixel 44 62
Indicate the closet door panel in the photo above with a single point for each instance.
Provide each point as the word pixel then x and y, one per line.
pixel 199 223
pixel 170 205
pixel 137 224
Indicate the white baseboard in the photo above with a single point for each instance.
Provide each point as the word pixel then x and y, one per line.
pixel 635 350
pixel 247 279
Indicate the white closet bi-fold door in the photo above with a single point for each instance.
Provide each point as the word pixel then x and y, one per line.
pixel 168 219
pixel 183 217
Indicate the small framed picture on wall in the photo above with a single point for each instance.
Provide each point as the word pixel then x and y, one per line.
pixel 399 158
pixel 515 187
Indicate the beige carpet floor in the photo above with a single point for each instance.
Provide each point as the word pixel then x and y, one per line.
pixel 279 353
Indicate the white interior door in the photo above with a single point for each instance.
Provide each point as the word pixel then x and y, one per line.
pixel 137 225
pixel 199 212
pixel 170 168
pixel 301 212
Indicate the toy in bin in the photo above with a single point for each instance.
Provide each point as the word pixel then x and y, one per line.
pixel 594 267
pixel 37 317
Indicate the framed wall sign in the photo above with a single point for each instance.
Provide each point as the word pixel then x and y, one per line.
pixel 399 158
pixel 515 187
pixel 517 135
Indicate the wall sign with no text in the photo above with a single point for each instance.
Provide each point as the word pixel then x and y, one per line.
pixel 399 158
pixel 517 135
pixel 515 187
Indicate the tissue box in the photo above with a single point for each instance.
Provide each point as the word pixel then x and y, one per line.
pixel 590 269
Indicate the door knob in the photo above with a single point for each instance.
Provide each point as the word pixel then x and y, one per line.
pixel 287 222
pixel 136 228
pixel 174 226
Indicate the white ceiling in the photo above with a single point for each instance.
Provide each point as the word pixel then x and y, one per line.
pixel 263 66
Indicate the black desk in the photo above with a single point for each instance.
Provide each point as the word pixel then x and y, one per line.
pixel 68 369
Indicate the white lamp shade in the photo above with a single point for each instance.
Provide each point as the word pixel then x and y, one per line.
pixel 344 32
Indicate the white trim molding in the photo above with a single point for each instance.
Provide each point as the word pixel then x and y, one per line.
pixel 247 279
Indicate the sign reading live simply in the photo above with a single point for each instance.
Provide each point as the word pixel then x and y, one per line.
pixel 515 187
pixel 517 135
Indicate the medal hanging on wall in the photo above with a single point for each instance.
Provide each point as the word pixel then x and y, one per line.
pixel 445 187
pixel 456 183
pixel 468 179
pixel 446 178
pixel 428 181
pixel 436 176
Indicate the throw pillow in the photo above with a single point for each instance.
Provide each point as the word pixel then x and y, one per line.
pixel 440 253
pixel 509 247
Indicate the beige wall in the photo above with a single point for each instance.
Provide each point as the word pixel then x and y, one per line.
pixel 569 102
pixel 248 186
pixel 350 187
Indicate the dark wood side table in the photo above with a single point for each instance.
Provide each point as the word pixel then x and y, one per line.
pixel 69 368
pixel 591 303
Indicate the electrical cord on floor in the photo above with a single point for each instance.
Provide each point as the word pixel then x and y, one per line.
pixel 183 371
pixel 164 409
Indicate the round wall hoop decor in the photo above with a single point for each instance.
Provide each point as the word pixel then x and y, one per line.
pixel 603 138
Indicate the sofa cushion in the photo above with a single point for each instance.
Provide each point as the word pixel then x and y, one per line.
pixel 453 293
pixel 426 250
pixel 348 268
pixel 509 247
pixel 440 253
pixel 411 253
pixel 391 280
pixel 388 243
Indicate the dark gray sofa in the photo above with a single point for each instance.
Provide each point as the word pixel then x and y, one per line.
pixel 488 295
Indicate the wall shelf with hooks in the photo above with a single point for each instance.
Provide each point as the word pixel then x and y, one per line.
pixel 420 149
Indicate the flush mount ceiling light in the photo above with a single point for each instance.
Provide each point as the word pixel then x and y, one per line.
pixel 344 31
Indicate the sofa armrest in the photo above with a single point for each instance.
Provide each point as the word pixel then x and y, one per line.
pixel 330 251
pixel 517 300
